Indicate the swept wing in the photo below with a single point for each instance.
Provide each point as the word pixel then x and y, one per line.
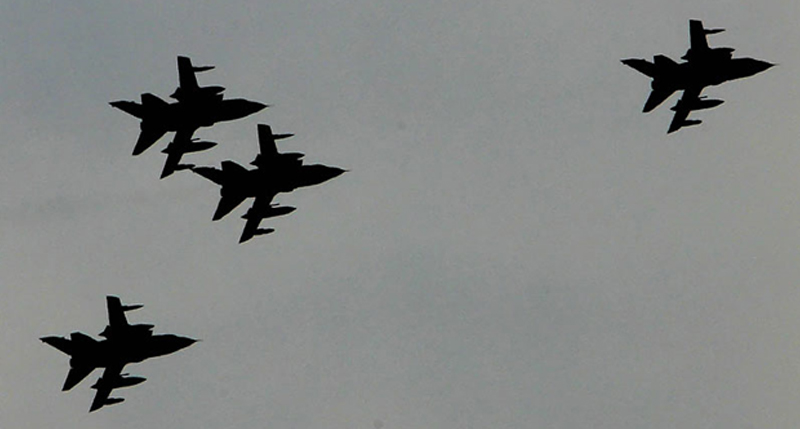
pixel 104 387
pixel 175 150
pixel 682 109
pixel 261 208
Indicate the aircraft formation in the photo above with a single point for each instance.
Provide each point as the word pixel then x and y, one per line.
pixel 203 106
pixel 197 107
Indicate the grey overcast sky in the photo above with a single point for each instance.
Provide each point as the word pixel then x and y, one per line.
pixel 515 245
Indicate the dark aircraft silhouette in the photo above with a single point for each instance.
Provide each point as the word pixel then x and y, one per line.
pixel 703 66
pixel 274 173
pixel 123 344
pixel 196 107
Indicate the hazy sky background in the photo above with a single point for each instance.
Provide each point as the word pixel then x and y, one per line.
pixel 515 245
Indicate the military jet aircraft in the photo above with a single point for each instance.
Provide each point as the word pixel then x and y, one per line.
pixel 274 173
pixel 123 344
pixel 196 107
pixel 703 66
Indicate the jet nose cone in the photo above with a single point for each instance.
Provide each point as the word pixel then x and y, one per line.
pixel 324 173
pixel 173 343
pixel 763 65
pixel 254 106
pixel 259 106
pixel 756 66
pixel 239 108
pixel 183 342
pixel 334 172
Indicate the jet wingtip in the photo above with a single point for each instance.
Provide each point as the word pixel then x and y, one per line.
pixel 138 150
pixel 218 215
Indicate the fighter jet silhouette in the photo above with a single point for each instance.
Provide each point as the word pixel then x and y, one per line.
pixel 123 344
pixel 274 173
pixel 196 107
pixel 703 66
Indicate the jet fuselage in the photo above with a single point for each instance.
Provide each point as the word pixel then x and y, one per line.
pixel 120 349
pixel 285 177
pixel 708 73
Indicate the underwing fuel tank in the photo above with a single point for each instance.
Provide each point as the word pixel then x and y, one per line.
pixel 263 231
pixel 706 104
pixel 119 382
pixel 195 146
pixel 268 213
pixel 700 104
pixel 128 381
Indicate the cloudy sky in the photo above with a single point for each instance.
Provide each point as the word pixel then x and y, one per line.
pixel 515 244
